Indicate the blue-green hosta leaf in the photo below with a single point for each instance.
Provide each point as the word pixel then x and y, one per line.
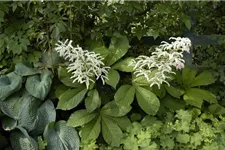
pixel 80 117
pixel 92 101
pixel 45 114
pixel 61 137
pixel 175 92
pixel 9 84
pixel 147 100
pixel 23 70
pixel 39 86
pixel 8 123
pixel 71 98
pixel 111 132
pixel 20 140
pixel 124 65
pixel 113 77
pixel 118 48
pixel 124 96
pixel 111 109
pixel 204 78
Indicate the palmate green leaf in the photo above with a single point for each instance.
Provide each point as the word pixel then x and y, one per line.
pixel 91 130
pixel 92 101
pixel 111 109
pixel 217 109
pixel 23 70
pixel 173 103
pixel 160 92
pixel 175 92
pixel 122 122
pixel 71 98
pixel 60 90
pixel 80 117
pixel 204 78
pixel 113 78
pixel 103 51
pixel 111 132
pixel 39 86
pixel 20 140
pixel 118 48
pixel 188 75
pixel 124 96
pixel 147 100
pixel 61 137
pixel 9 84
pixel 124 65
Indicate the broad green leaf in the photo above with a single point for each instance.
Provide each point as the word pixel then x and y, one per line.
pixel 60 90
pixel 65 77
pixel 22 141
pixel 61 137
pixel 175 92
pixel 50 59
pixel 124 65
pixel 9 84
pixel 8 123
pixel 103 51
pixel 80 117
pixel 23 70
pixel 188 75
pixel 204 78
pixel 71 98
pixel 217 109
pixel 92 101
pixel 111 109
pixel 147 100
pixel 113 78
pixel 193 98
pixel 183 138
pixel 122 122
pixel 160 92
pixel 91 130
pixel 124 96
pixel 39 86
pixel 173 103
pixel 118 48
pixel 111 132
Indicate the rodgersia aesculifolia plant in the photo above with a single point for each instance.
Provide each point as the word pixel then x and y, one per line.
pixel 157 67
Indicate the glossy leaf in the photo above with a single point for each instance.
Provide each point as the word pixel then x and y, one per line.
pixel 124 65
pixel 204 78
pixel 92 101
pixel 124 96
pixel 113 78
pixel 175 92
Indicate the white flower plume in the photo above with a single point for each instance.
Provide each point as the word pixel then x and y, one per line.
pixel 156 68
pixel 84 65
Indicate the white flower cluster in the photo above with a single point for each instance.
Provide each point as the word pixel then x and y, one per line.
pixel 156 68
pixel 84 65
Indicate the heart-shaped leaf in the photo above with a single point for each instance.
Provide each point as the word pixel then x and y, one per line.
pixel 23 70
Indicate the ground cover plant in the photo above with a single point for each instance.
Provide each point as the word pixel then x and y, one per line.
pixel 80 75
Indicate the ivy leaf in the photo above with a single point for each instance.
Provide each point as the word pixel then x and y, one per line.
pixel 71 98
pixel 92 101
pixel 23 70
pixel 80 117
pixel 111 109
pixel 217 109
pixel 91 130
pixel 113 78
pixel 147 100
pixel 118 48
pixel 9 84
pixel 124 96
pixel 39 86
pixel 175 92
pixel 111 132
pixel 61 137
pixel 204 78
pixel 124 65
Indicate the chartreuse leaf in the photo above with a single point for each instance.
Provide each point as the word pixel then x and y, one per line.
pixel 41 144
pixel 188 75
pixel 9 84
pixel 91 130
pixel 118 48
pixel 20 140
pixel 183 138
pixel 173 103
pixel 23 70
pixel 111 132
pixel 147 100
pixel 71 98
pixel 124 65
pixel 39 86
pixel 61 137
pixel 124 96
pixel 175 92
pixel 111 109
pixel 204 78
pixel 80 117
pixel 92 101
pixel 217 109
pixel 113 78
